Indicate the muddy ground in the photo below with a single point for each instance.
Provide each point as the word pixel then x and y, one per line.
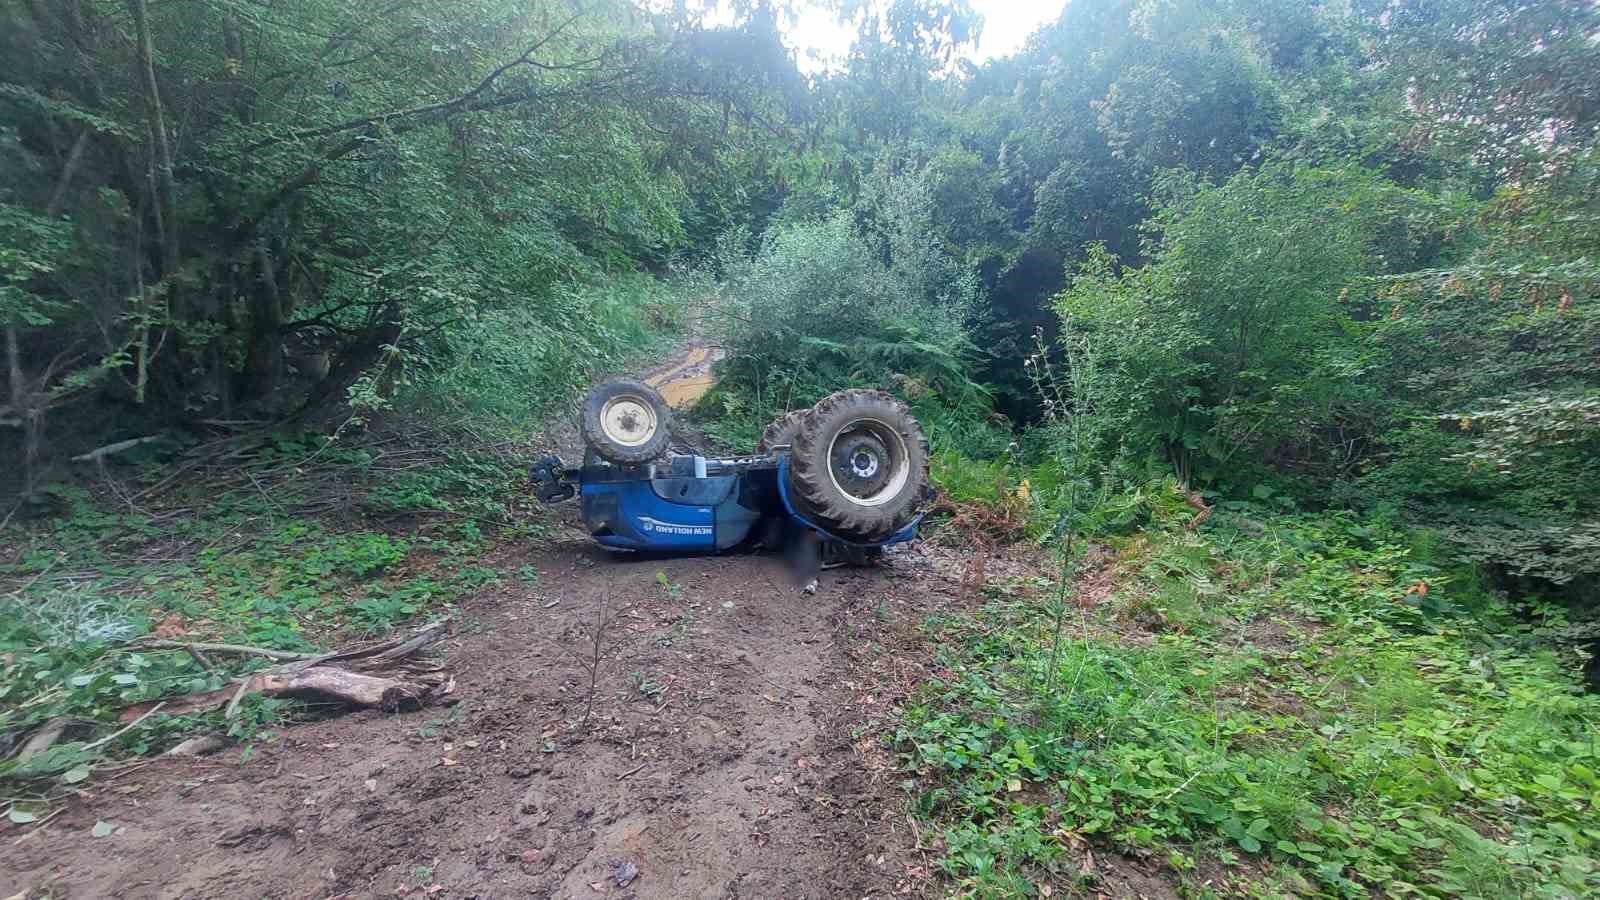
pixel 716 755
pixel 619 727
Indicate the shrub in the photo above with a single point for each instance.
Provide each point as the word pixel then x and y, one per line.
pixel 504 369
pixel 866 297
pixel 1237 346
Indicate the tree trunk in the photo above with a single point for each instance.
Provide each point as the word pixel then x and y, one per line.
pixel 167 191
pixel 29 404
pixel 264 362
pixel 355 359
pixel 74 157
pixel 234 61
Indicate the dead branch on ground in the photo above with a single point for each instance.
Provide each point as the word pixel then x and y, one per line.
pixel 384 675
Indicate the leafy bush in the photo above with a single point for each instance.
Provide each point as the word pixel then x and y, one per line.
pixel 1236 346
pixel 502 370
pixel 1313 693
pixel 1326 335
pixel 867 297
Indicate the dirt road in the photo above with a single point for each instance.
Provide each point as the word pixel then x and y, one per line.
pixel 717 759
pixel 620 727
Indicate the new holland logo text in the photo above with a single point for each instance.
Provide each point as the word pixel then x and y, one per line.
pixel 659 527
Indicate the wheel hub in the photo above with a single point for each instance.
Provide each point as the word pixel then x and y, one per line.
pixel 867 463
pixel 628 420
pixel 864 464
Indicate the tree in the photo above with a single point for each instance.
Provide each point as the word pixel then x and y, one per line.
pixel 250 207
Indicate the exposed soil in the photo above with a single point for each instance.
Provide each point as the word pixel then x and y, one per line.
pixel 722 747
pixel 688 377
pixel 718 759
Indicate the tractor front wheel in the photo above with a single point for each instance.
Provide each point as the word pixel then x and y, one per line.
pixel 626 422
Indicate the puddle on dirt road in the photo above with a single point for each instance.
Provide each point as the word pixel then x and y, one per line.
pixel 687 378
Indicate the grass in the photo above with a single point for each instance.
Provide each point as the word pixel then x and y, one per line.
pixel 1307 706
pixel 299 543
pixel 287 541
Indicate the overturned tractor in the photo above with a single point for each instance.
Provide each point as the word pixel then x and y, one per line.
pixel 849 475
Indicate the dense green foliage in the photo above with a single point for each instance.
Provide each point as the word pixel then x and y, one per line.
pixel 1229 351
pixel 1330 267
pixel 1313 254
pixel 235 210
pixel 867 296
pixel 1289 694
pixel 1334 336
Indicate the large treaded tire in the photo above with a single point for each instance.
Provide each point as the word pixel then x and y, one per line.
pixel 821 453
pixel 626 422
pixel 780 433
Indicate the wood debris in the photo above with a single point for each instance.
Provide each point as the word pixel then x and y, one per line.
pixel 384 675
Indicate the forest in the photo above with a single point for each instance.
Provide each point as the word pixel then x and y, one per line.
pixel 1279 317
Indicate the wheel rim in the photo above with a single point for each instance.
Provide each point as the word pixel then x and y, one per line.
pixel 629 420
pixel 868 462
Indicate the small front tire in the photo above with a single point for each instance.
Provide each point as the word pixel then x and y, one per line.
pixel 626 422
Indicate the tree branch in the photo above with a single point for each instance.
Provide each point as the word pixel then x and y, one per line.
pixel 239 649
pixel 444 106
pixel 312 172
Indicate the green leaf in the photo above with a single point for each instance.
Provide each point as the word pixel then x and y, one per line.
pixel 102 829
pixel 20 816
pixel 76 774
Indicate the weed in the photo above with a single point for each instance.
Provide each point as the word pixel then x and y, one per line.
pixel 240 565
pixel 673 591
pixel 1390 746
pixel 647 687
pixel 432 727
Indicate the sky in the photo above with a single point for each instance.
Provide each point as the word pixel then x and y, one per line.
pixel 1006 26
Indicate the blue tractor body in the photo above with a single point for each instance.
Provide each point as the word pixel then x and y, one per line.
pixel 692 504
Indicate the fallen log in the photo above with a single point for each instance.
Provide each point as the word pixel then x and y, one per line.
pixel 203 745
pixel 100 453
pixel 356 681
pixel 322 682
pixel 43 739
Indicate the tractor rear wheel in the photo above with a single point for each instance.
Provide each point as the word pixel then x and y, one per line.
pixel 626 422
pixel 781 432
pixel 858 464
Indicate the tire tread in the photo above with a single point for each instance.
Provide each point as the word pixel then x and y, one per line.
pixel 813 490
